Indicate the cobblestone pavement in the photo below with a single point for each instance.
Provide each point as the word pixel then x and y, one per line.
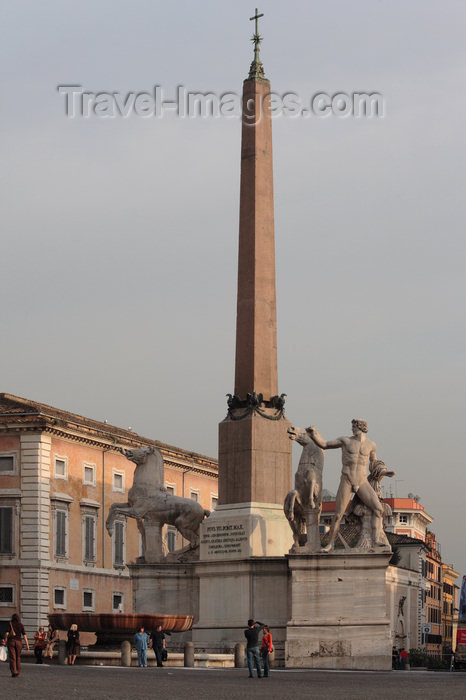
pixel 175 683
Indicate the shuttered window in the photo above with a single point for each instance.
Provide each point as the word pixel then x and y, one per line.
pixel 60 533
pixel 6 530
pixel 119 534
pixel 89 538
pixel 171 539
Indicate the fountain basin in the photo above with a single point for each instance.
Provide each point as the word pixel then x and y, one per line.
pixel 113 628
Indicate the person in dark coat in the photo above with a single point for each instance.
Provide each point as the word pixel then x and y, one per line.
pixel 157 640
pixel 72 644
pixel 252 647
pixel 14 636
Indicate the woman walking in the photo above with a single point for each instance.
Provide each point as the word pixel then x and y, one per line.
pixel 265 650
pixel 14 637
pixel 39 644
pixel 72 644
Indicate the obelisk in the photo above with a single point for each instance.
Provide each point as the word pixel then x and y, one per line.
pixel 254 448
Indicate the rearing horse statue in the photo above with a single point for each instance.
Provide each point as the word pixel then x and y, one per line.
pixel 152 506
pixel 303 505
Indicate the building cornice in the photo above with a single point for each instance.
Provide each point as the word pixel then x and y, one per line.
pixel 187 460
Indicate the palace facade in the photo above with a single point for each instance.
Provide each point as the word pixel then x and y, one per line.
pixel 59 475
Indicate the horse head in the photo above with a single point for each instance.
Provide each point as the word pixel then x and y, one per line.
pixel 299 434
pixel 140 455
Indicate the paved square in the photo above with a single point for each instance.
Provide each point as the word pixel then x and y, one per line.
pixel 198 684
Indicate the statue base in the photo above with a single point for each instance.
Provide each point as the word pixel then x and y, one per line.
pixel 231 592
pixel 242 530
pixel 168 589
pixel 338 612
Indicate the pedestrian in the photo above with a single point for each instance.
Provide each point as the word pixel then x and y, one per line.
pixel 266 649
pixel 14 637
pixel 39 644
pixel 157 642
pixel 52 639
pixel 404 659
pixel 395 658
pixel 252 647
pixel 73 646
pixel 141 641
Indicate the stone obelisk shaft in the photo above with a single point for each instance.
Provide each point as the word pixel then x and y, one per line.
pixel 256 324
pixel 254 449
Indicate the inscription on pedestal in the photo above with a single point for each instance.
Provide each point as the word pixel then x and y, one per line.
pixel 226 539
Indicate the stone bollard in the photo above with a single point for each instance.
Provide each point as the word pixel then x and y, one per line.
pixel 125 653
pixel 189 654
pixel 61 651
pixel 240 655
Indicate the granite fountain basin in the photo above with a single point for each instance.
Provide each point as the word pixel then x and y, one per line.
pixel 113 628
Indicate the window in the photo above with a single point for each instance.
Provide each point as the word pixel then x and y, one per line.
pixel 61 532
pixel 89 474
pixel 61 468
pixel 119 544
pixel 88 599
pixel 213 501
pixel 403 518
pixel 171 539
pixel 171 490
pixel 117 602
pixel 89 527
pixel 59 597
pixel 7 594
pixel 118 481
pixel 194 495
pixel 6 530
pixel 8 462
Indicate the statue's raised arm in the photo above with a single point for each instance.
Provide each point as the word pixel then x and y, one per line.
pixel 321 442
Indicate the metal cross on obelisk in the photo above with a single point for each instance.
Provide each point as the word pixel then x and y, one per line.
pixel 256 70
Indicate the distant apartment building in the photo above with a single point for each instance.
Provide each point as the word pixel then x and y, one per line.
pixel 433 637
pixel 449 607
pixel 59 475
pixel 408 517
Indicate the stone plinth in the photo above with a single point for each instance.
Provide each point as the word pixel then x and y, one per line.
pixel 338 612
pixel 242 530
pixel 231 592
pixel 169 589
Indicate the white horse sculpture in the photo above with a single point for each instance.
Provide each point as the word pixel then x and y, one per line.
pixel 152 506
pixel 303 505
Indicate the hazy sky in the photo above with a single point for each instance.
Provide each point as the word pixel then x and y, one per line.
pixel 119 240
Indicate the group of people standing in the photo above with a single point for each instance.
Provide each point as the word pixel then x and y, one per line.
pixel 43 640
pixel 156 641
pixel 256 652
pixel 400 658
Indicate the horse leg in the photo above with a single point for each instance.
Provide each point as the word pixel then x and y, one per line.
pixel 187 531
pixel 117 509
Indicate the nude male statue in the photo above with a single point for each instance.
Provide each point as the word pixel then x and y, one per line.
pixel 356 452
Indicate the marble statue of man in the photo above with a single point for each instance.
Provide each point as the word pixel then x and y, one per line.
pixel 356 452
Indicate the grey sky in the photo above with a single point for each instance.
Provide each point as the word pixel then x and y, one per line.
pixel 119 241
